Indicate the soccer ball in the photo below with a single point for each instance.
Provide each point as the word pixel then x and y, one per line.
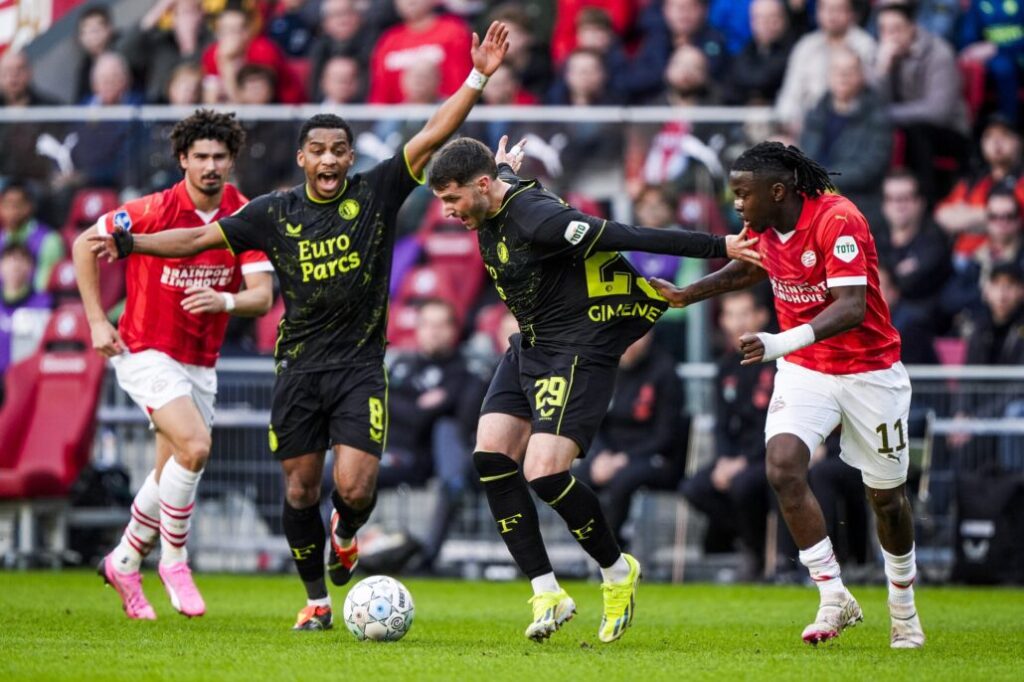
pixel 379 608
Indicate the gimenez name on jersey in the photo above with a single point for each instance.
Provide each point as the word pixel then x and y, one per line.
pixel 322 259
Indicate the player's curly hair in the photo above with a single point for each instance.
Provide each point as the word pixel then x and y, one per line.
pixel 789 164
pixel 207 124
pixel 461 161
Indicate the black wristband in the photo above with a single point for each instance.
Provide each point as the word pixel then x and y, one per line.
pixel 124 242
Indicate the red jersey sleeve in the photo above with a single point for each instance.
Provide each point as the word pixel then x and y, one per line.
pixel 843 238
pixel 139 216
pixel 254 261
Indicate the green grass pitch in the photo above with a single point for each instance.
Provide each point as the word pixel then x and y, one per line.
pixel 66 626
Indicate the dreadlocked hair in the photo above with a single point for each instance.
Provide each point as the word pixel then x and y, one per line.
pixel 792 165
pixel 207 124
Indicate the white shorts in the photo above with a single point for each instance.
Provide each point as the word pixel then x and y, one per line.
pixel 871 407
pixel 153 379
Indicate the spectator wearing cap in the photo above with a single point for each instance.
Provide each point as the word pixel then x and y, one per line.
pixel 962 213
pixel 20 226
pixel 918 76
pixel 665 28
pixel 756 73
pixel 810 62
pixel 16 265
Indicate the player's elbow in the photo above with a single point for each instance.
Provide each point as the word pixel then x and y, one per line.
pixel 855 310
pixel 264 301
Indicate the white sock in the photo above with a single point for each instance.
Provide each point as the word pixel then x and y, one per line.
pixel 545 583
pixel 141 532
pixel 821 562
pixel 178 488
pixel 617 572
pixel 326 601
pixel 901 571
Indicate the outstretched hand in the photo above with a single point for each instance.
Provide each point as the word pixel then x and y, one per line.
pixel 741 247
pixel 488 55
pixel 676 296
pixel 513 157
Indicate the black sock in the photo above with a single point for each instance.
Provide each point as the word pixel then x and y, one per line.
pixel 304 530
pixel 579 507
pixel 513 511
pixel 351 520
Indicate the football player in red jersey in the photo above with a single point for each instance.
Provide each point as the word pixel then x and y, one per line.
pixel 167 343
pixel 838 364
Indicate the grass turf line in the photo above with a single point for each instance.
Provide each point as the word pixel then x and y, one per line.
pixel 66 626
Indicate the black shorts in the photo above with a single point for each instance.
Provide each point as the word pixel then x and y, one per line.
pixel 560 393
pixel 314 411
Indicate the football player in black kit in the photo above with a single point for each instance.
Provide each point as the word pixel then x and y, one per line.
pixel 579 304
pixel 330 241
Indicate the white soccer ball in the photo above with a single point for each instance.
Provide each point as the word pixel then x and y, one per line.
pixel 379 608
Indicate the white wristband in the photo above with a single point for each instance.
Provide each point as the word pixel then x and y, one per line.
pixel 784 343
pixel 229 301
pixel 476 80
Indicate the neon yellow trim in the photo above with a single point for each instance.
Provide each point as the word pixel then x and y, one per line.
pixel 488 479
pixel 387 413
pixel 565 492
pixel 309 195
pixel 422 179
pixel 225 236
pixel 568 395
pixel 514 195
pixel 594 242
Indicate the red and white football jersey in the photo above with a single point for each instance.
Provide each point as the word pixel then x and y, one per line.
pixel 153 317
pixel 830 247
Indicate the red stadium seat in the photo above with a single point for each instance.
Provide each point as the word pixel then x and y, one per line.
pixel 87 206
pixel 301 70
pixel 488 321
pixel 48 420
pixel 449 246
pixel 418 285
pixel 266 327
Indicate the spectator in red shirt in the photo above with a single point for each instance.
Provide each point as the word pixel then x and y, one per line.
pixel 236 46
pixel 962 213
pixel 564 35
pixel 422 36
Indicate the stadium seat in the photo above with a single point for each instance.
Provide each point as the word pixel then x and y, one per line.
pixel 266 327
pixel 419 284
pixel 48 421
pixel 301 69
pixel 87 206
pixel 447 245
pixel 488 322
pixel 951 350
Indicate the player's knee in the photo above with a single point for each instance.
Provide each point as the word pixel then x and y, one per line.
pixel 887 504
pixel 785 476
pixel 357 494
pixel 491 464
pixel 539 467
pixel 301 494
pixel 194 452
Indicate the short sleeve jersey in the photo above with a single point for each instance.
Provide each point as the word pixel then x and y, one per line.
pixel 564 293
pixel 333 261
pixel 153 317
pixel 831 246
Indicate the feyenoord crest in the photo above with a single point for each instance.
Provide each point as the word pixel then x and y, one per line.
pixel 348 209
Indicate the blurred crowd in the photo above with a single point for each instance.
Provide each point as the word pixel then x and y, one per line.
pixel 913 104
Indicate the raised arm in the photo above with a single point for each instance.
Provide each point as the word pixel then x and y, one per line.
pixel 736 275
pixel 487 56
pixel 176 243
